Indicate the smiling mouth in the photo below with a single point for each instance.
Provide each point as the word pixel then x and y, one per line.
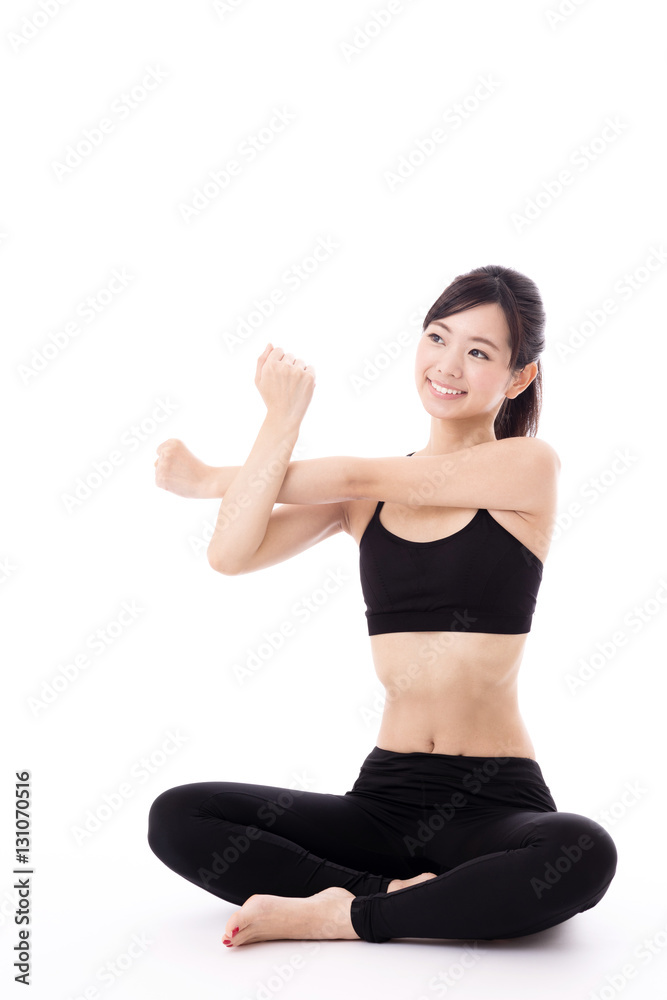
pixel 441 391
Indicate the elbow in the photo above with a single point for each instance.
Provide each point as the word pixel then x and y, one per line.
pixel 216 564
pixel 212 561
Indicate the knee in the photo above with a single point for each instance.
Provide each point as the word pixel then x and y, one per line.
pixel 581 851
pixel 599 856
pixel 167 816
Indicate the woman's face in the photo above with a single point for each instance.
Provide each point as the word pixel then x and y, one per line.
pixel 469 352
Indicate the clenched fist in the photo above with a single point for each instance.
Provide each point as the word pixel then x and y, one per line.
pixel 285 383
pixel 180 472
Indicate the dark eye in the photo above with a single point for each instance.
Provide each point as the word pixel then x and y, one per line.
pixel 485 356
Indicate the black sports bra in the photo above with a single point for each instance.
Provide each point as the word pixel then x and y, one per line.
pixel 481 578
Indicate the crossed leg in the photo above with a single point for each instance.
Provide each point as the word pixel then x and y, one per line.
pixel 243 843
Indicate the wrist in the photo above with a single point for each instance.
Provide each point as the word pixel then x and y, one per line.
pixel 283 428
pixel 216 483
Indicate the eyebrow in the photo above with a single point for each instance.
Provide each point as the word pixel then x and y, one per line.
pixel 480 340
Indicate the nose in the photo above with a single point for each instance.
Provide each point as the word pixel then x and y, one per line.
pixel 449 365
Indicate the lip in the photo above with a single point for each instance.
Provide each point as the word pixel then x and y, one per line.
pixel 440 395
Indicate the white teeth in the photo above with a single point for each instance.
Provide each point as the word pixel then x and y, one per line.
pixel 451 392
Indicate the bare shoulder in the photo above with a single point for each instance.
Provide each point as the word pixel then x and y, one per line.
pixel 543 449
pixel 539 454
pixel 538 465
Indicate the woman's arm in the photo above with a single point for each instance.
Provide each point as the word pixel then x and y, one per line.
pixel 286 386
pixel 249 498
pixel 510 474
pixel 179 471
pixel 518 473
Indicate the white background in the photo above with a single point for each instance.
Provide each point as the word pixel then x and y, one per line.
pixel 358 104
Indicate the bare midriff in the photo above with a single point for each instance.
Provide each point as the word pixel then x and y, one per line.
pixel 451 693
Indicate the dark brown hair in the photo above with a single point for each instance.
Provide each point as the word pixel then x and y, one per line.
pixel 520 301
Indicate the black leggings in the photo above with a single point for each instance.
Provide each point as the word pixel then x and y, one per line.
pixel 507 862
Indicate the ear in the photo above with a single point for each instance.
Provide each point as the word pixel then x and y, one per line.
pixel 522 380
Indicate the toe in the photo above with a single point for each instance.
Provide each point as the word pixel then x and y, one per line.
pixel 232 926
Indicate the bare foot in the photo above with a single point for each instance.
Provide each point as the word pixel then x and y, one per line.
pixel 399 883
pixel 181 472
pixel 322 916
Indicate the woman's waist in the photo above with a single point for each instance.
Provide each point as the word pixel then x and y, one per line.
pixel 516 744
pixel 470 783
pixel 457 690
pixel 440 660
pixel 456 727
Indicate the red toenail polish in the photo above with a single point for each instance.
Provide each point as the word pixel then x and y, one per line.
pixel 235 931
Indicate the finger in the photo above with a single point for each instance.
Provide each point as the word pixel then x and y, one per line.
pixel 273 355
pixel 261 359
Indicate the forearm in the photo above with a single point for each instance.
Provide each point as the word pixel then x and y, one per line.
pixel 312 480
pixel 250 492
